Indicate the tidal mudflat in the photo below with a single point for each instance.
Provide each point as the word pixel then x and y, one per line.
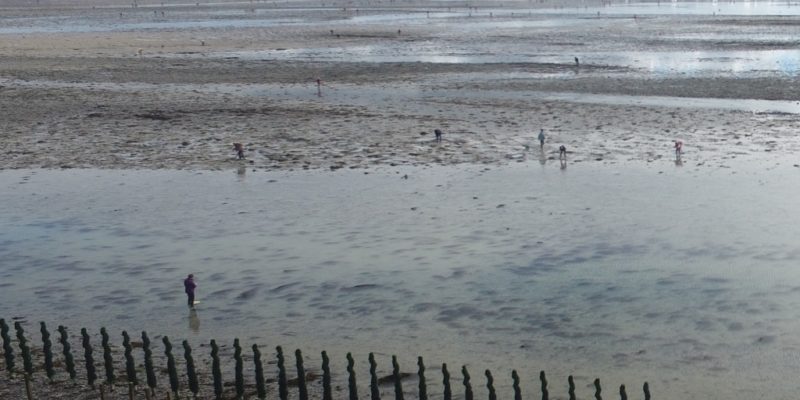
pixel 348 228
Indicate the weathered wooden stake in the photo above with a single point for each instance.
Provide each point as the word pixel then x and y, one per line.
pixel 216 370
pixel 351 380
pixel 130 363
pixel 69 362
pixel 467 385
pixel 48 352
pixel 597 390
pixel 326 378
pixel 171 369
pixel 490 385
pixel 239 370
pixel 191 374
pixel 622 394
pixel 148 364
pixel 91 375
pixel 373 378
pixel 261 387
pixel 646 389
pixel 398 385
pixel 571 390
pixel 108 360
pixel 448 394
pixel 131 390
pixel 423 389
pixel 301 376
pixel 543 379
pixel 8 351
pixel 517 389
pixel 283 390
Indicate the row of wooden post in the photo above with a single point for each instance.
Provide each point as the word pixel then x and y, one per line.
pixel 216 371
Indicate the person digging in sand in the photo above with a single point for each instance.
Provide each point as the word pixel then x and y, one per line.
pixel 562 152
pixel 438 134
pixel 239 150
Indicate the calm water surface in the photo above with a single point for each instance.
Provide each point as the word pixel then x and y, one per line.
pixel 683 277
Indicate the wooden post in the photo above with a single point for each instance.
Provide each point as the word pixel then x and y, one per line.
pixel 423 389
pixel 545 393
pixel 398 385
pixel 301 376
pixel 283 390
pixel 28 387
pixel 351 380
pixel 467 385
pixel 8 351
pixel 216 371
pixel 448 394
pixel 490 385
pixel 517 390
pixel 646 389
pixel 373 378
pixel 597 390
pixel 622 394
pixel 148 364
pixel 326 377
pixel 261 387
pixel 131 390
pixel 571 388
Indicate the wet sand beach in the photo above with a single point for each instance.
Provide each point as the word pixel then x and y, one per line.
pixel 77 93
pixel 348 228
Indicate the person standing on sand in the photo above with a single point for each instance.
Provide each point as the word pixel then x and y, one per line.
pixel 562 152
pixel 678 148
pixel 189 285
pixel 541 139
pixel 438 134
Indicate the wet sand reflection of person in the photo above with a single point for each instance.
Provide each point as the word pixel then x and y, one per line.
pixel 194 321
pixel 240 173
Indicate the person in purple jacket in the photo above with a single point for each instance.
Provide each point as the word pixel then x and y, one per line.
pixel 189 286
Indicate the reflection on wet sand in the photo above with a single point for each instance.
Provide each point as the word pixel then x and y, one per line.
pixel 194 321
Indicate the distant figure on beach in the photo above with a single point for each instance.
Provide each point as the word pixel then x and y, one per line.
pixel 562 152
pixel 577 63
pixel 438 134
pixel 239 150
pixel 541 138
pixel 678 148
pixel 188 286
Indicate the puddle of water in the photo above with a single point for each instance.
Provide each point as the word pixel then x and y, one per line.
pixel 357 95
pixel 745 8
pixel 682 278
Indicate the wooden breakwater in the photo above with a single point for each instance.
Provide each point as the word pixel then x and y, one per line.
pixel 169 380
